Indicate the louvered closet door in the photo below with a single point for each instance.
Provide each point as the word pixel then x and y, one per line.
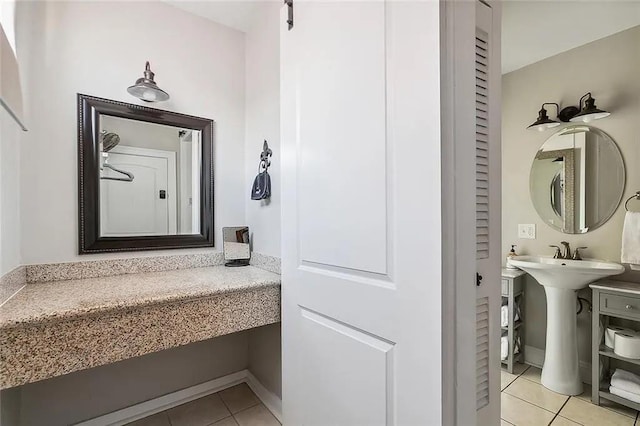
pixel 488 235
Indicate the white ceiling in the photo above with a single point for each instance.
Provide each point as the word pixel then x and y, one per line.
pixel 532 30
pixel 237 14
pixel 535 30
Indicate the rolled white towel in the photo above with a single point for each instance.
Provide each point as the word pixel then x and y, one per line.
pixel 626 381
pixel 625 394
pixel 504 315
pixel 504 347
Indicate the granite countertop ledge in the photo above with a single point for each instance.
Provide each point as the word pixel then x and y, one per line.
pixel 62 300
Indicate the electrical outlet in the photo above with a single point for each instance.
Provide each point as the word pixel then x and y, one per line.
pixel 527 231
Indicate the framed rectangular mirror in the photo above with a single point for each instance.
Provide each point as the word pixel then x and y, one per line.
pixel 145 178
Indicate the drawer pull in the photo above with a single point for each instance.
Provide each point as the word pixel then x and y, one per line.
pixel 629 307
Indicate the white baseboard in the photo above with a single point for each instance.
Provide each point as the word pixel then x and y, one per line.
pixel 165 402
pixel 535 356
pixel 268 398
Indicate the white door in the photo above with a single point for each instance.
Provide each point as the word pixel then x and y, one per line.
pixel 138 207
pixel 488 214
pixel 361 214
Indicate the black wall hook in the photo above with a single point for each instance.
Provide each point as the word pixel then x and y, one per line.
pixel 261 189
pixel 265 156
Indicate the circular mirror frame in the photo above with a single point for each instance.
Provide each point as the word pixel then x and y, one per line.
pixel 618 199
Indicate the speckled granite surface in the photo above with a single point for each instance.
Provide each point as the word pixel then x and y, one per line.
pixel 110 267
pixel 268 263
pixel 50 329
pixel 11 282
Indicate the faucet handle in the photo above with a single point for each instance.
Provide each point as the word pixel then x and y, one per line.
pixel 576 254
pixel 558 254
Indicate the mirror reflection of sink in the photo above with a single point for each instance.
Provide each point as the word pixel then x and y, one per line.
pixel 566 273
pixel 561 279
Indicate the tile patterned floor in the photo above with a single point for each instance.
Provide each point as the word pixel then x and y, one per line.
pixel 236 406
pixel 525 402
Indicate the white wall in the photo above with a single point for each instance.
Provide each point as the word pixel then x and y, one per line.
pixel 609 69
pixel 99 48
pixel 10 146
pixel 263 122
pixel 263 217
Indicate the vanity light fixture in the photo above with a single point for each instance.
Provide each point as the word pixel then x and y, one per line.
pixel 544 122
pixel 586 114
pixel 589 112
pixel 147 89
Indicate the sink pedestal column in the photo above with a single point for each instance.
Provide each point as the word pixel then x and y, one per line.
pixel 561 367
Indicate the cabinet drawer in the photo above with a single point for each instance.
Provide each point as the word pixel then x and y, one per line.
pixel 505 287
pixel 621 305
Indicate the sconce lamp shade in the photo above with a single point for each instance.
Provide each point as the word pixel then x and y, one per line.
pixel 543 122
pixel 147 89
pixel 589 112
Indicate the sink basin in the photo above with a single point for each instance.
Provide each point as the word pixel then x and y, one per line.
pixel 565 273
pixel 561 279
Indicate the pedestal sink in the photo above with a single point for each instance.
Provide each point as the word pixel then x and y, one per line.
pixel 561 279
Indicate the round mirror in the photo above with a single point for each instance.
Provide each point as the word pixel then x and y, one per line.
pixel 577 179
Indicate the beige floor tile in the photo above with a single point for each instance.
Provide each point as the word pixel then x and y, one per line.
pixel 256 416
pixel 536 394
pixel 586 396
pixel 160 419
pixel 229 421
pixel 522 413
pixel 505 423
pixel 506 379
pixel 520 368
pixel 586 393
pixel 201 412
pixel 239 398
pixel 588 414
pixel 561 421
pixel 533 374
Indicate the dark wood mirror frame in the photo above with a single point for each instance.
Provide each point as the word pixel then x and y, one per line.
pixel 89 110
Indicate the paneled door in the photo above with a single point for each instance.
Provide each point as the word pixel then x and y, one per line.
pixel 361 214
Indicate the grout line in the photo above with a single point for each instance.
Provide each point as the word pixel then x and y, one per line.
pixel 509 423
pixel 535 405
pixel 558 413
pixel 224 403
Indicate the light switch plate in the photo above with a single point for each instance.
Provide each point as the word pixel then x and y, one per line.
pixel 527 231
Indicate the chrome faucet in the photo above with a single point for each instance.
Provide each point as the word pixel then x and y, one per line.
pixel 566 253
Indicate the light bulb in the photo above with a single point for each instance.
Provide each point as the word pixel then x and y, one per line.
pixel 149 95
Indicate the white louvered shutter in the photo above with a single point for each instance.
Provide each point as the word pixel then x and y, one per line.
pixel 482 352
pixel 488 227
pixel 482 145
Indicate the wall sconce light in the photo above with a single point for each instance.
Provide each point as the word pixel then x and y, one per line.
pixel 589 112
pixel 574 114
pixel 147 89
pixel 544 122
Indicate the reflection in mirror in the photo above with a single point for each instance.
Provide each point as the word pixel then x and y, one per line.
pixel 145 178
pixel 149 178
pixel 237 251
pixel 577 179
